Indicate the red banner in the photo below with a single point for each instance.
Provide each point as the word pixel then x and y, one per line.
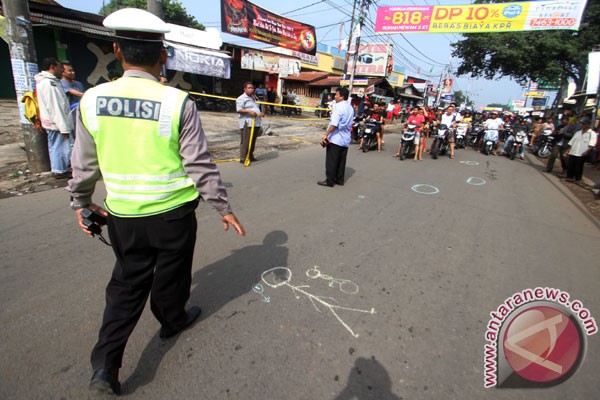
pixel 245 19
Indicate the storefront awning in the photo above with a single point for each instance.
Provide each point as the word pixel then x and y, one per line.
pixel 308 76
pixel 198 61
pixel 410 96
pixel 327 81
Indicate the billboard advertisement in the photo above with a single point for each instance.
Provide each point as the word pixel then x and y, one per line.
pixel 245 19
pixel 271 63
pixel 474 18
pixel 373 59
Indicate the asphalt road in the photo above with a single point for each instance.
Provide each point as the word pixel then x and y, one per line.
pixel 399 310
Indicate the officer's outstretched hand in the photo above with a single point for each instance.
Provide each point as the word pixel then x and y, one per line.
pixel 230 219
pixel 94 208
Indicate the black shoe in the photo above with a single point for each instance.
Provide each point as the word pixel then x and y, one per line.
pixel 253 159
pixel 63 176
pixel 325 183
pixel 192 315
pixel 105 381
pixel 340 183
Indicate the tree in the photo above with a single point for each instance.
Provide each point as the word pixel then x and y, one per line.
pixel 537 55
pixel 497 105
pixel 175 13
pixel 460 98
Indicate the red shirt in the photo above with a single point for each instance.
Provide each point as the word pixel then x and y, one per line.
pixel 416 119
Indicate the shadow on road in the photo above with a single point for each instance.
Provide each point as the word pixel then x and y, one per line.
pixel 213 287
pixel 368 380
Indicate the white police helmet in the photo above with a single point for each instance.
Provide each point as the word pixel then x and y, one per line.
pixel 136 24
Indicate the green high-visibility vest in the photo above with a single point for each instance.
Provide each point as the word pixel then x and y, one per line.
pixel 135 124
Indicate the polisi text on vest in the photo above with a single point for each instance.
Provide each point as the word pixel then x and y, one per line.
pixel 127 108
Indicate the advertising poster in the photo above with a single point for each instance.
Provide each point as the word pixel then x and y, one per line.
pixel 271 63
pixel 447 84
pixel 245 19
pixel 374 59
pixel 496 17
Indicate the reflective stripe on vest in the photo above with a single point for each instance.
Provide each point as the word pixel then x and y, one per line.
pixel 135 124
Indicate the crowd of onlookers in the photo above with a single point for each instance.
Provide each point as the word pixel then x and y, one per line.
pixel 574 142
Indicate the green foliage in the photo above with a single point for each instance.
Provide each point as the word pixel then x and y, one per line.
pixel 174 12
pixel 497 105
pixel 460 98
pixel 545 55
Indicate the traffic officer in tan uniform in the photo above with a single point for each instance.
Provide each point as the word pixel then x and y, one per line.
pixel 146 141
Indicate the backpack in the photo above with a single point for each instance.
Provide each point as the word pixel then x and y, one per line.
pixel 31 108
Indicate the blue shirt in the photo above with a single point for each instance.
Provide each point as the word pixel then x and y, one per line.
pixel 342 118
pixel 67 86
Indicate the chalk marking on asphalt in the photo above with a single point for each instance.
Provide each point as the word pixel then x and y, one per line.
pixel 416 188
pixel 258 288
pixel 475 181
pixel 351 287
pixel 469 162
pixel 283 276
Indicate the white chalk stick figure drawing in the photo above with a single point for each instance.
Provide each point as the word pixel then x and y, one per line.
pixel 282 276
pixel 345 285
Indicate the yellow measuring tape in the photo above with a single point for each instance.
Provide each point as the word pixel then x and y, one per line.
pixel 247 160
pixel 261 102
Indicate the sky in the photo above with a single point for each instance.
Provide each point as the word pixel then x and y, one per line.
pixel 423 55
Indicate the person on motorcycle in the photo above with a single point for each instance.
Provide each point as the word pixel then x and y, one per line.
pixel 449 119
pixel 492 123
pixel 521 126
pixel 379 109
pixel 416 118
pixel 376 114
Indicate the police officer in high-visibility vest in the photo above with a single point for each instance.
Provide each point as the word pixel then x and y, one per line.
pixel 147 142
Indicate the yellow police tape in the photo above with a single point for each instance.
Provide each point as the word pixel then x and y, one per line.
pixel 260 102
pixel 247 161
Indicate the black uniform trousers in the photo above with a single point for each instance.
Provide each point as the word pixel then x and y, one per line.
pixel 335 163
pixel 154 257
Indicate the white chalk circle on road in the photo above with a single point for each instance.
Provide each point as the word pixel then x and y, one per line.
pixel 469 162
pixel 473 180
pixel 423 188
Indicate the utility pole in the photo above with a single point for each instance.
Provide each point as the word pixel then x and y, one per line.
pixel 352 24
pixel 361 21
pixel 155 7
pixel 445 75
pixel 25 67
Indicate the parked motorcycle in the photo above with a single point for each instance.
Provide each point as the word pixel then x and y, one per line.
pixel 325 113
pixel 490 140
pixel 212 104
pixel 440 141
pixel 408 140
pixel 545 143
pixel 461 136
pixel 369 137
pixel 296 100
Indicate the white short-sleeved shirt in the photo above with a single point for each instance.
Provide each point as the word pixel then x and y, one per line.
pixel 580 142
